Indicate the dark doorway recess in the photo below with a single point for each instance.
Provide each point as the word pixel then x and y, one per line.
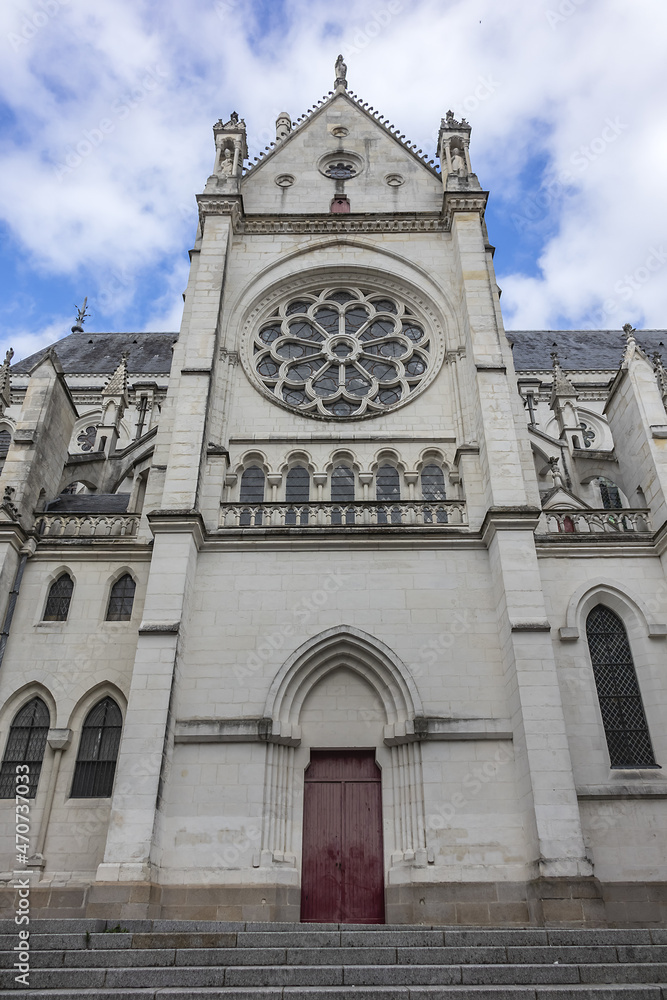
pixel 343 871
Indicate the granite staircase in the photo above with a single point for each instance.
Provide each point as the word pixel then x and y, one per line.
pixel 196 960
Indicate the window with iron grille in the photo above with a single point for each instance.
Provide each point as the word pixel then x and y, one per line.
pixel 610 495
pixel 121 599
pixel 98 750
pixel 621 705
pixel 25 745
pixel 58 601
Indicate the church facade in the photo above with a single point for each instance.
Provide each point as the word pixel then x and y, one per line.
pixel 342 604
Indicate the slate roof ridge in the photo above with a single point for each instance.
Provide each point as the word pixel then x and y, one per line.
pixel 97 353
pixel 364 107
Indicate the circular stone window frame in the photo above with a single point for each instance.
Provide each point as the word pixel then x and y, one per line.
pixel 285 180
pixel 394 180
pixel 333 156
pixel 423 309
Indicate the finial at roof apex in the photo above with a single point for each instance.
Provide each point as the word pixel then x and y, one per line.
pixel 341 74
pixel 81 316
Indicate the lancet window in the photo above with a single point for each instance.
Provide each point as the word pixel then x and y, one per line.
pixel 121 599
pixel 25 749
pixel 98 751
pixel 59 599
pixel 297 491
pixel 623 716
pixel 252 492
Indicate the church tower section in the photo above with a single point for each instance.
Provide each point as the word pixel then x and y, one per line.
pixel 360 598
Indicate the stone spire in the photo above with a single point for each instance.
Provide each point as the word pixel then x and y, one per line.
pixel 116 400
pixel 117 384
pixel 563 402
pixel 5 385
pixel 561 384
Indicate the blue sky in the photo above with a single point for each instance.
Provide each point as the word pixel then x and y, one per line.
pixel 106 112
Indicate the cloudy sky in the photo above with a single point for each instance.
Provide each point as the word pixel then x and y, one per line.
pixel 106 109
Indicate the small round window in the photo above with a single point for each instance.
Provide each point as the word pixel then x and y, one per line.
pixel 342 353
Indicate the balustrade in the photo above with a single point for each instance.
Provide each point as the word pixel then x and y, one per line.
pixel 413 513
pixel 87 525
pixel 618 522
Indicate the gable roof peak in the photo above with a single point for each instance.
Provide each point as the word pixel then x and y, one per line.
pixel 342 93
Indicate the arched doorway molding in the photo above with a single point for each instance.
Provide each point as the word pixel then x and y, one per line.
pixel 403 794
pixel 343 646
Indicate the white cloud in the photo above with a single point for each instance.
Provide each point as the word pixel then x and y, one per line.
pixel 113 105
pixel 26 342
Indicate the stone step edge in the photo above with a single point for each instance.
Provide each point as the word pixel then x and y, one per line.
pixel 649 991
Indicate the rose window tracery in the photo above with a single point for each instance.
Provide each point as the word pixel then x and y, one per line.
pixel 342 352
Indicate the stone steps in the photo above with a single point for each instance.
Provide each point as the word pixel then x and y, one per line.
pixel 196 960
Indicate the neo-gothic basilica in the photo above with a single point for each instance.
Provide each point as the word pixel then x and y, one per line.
pixel 342 604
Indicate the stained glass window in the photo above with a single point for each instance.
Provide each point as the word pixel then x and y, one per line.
pixel 342 352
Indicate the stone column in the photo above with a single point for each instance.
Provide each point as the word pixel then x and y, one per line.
pixel 145 741
pixel 545 781
pixel 508 494
pixel 192 369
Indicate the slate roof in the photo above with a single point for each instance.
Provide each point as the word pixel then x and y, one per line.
pixel 99 353
pixel 599 350
pixel 90 503
pixel 150 353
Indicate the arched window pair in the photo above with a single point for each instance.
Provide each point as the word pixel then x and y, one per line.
pixel 96 759
pixel 119 608
pixel 388 490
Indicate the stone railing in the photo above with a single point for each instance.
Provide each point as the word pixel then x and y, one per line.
pixel 579 522
pixel 408 513
pixel 87 525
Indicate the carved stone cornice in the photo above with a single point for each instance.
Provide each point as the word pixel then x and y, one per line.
pixel 216 204
pixel 423 223
pixel 463 201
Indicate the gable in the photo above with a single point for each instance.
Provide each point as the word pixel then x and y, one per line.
pixel 379 155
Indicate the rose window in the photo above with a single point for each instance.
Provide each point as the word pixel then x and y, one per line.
pixel 342 352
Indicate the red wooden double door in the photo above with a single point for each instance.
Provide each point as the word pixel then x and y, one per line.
pixel 343 870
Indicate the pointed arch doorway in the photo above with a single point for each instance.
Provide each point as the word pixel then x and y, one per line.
pixel 343 869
